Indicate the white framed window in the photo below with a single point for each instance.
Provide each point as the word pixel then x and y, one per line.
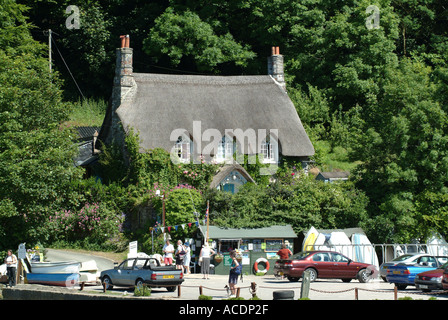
pixel 225 149
pixel 269 150
pixel 182 148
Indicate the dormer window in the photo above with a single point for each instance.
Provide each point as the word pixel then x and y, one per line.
pixel 182 148
pixel 225 149
pixel 269 150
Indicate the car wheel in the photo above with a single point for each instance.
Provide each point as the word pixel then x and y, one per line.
pixel 293 279
pixel 313 274
pixel 364 276
pixel 171 289
pixel 107 283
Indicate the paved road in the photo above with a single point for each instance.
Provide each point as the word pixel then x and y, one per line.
pixel 61 255
pixel 266 285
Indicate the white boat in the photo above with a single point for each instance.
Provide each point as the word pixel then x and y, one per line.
pixel 364 250
pixel 437 245
pixel 309 240
pixel 341 243
pixel 55 267
pixel 88 273
pixel 323 242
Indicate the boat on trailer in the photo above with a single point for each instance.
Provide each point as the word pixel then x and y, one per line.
pixel 55 267
pixel 53 279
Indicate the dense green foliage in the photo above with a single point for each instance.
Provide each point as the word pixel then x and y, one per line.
pixel 373 101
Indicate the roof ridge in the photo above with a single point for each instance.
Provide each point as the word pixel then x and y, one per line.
pixel 203 79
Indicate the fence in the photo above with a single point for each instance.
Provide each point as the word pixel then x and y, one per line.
pixel 384 252
pixel 254 287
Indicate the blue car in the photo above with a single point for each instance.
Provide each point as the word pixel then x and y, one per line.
pixel 404 275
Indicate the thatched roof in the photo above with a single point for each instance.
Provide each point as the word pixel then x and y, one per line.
pixel 162 103
pixel 227 169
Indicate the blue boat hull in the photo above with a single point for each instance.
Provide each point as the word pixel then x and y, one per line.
pixel 54 279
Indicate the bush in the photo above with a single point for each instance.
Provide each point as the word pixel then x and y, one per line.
pixel 204 297
pixel 93 223
pixel 142 291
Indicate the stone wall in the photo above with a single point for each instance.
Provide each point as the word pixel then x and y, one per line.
pixel 41 292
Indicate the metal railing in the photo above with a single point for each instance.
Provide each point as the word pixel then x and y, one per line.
pixel 384 252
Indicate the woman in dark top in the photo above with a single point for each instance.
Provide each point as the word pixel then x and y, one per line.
pixel 233 277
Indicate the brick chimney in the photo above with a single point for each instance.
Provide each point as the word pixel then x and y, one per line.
pixel 123 68
pixel 275 67
pixel 123 87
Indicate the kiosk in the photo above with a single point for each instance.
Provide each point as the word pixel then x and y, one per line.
pixel 257 247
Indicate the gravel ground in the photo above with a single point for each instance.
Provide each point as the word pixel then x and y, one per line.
pixel 266 285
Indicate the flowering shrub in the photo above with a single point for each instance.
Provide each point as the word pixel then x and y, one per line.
pixel 93 222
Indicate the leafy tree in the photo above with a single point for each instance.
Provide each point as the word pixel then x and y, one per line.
pixel 404 149
pixel 36 153
pixel 185 35
pixel 302 204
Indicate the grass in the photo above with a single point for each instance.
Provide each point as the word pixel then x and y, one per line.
pixel 87 113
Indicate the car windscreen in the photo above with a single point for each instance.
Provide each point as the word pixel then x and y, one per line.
pixel 403 257
pixel 300 255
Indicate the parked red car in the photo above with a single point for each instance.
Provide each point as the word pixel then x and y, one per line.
pixel 430 280
pixel 324 264
pixel 445 280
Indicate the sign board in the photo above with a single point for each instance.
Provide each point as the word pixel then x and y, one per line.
pixel 22 251
pixel 133 248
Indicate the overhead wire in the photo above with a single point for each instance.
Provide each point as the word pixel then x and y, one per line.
pixel 65 63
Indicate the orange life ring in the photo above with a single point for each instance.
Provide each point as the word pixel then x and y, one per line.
pixel 263 260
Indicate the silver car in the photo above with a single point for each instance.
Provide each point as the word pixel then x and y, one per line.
pixel 407 259
pixel 139 271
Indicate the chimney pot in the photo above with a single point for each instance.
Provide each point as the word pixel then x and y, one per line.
pixel 275 66
pixel 127 42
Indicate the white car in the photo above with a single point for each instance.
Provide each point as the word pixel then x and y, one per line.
pixel 406 259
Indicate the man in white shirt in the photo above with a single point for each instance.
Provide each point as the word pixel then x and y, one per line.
pixel 168 250
pixel 11 265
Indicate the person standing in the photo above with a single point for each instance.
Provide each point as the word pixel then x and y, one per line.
pixel 187 258
pixel 284 252
pixel 11 266
pixel 168 250
pixel 180 255
pixel 233 276
pixel 206 253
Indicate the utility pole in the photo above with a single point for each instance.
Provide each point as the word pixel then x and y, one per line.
pixel 207 219
pixel 49 49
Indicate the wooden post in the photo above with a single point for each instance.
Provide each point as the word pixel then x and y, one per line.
pixel 395 293
pixel 253 288
pixel 305 289
pixel 104 287
pixel 178 291
pixel 49 49
pixel 356 293
pixel 238 292
pixel 19 272
pixel 200 290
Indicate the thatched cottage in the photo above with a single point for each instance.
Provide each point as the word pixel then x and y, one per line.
pixel 207 117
